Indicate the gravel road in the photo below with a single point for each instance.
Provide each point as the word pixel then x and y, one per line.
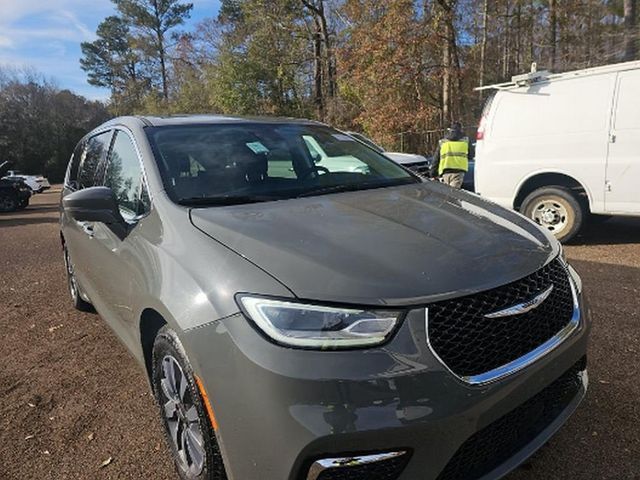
pixel 72 398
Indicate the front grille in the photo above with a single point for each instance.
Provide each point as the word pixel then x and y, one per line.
pixel 492 446
pixel 471 344
pixel 421 168
pixel 384 470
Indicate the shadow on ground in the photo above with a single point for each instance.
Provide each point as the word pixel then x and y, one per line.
pixel 26 220
pixel 615 231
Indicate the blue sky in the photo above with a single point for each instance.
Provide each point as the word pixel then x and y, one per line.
pixel 45 35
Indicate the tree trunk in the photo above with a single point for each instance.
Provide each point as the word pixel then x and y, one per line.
pixel 317 70
pixel 446 84
pixel 518 36
pixel 507 39
pixel 553 34
pixel 630 30
pixel 163 67
pixel 483 46
pixel 330 60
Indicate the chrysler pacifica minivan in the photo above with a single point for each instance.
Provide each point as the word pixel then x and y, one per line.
pixel 308 321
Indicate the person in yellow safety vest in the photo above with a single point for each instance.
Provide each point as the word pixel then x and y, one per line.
pixel 451 159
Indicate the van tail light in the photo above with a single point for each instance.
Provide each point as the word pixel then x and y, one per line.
pixel 480 132
pixel 483 118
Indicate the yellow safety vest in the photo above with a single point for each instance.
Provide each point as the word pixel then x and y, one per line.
pixel 454 154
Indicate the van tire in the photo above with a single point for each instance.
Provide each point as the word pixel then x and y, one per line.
pixel 557 209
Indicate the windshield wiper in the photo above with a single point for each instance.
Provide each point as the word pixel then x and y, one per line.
pixel 220 200
pixel 350 187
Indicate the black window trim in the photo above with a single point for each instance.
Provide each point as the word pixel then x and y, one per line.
pixel 143 176
pixel 86 141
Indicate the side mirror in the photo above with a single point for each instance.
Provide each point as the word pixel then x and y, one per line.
pixel 94 204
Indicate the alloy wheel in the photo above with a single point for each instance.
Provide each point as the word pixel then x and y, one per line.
pixel 181 417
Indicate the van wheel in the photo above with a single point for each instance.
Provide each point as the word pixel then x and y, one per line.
pixel 556 209
pixel 188 430
pixel 74 289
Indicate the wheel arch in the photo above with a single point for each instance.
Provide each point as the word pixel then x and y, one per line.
pixel 151 322
pixel 552 179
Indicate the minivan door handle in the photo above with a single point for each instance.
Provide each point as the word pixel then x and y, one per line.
pixel 612 138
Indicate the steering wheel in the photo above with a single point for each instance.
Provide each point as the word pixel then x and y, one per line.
pixel 315 168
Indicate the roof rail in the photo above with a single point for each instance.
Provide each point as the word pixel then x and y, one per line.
pixel 535 77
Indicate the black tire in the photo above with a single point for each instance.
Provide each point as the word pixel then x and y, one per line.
pixel 8 202
pixel 74 287
pixel 557 209
pixel 168 349
pixel 23 204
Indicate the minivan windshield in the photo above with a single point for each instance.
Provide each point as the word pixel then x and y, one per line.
pixel 226 164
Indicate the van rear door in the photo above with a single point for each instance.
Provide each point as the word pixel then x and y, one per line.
pixel 623 160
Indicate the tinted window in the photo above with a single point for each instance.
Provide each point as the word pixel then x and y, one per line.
pixel 124 177
pixel 238 163
pixel 91 158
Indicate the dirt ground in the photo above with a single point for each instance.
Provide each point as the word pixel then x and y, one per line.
pixel 72 397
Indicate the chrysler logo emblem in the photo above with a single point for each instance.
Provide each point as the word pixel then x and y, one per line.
pixel 522 307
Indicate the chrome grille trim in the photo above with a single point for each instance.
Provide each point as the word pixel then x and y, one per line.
pixel 524 361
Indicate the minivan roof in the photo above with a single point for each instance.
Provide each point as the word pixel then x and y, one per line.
pixel 168 120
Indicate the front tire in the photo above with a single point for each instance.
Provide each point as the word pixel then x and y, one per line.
pixel 8 203
pixel 557 209
pixel 187 428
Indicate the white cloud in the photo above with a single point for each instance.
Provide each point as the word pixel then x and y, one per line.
pixel 78 25
pixel 5 42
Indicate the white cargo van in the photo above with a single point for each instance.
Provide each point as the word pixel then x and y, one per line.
pixel 562 147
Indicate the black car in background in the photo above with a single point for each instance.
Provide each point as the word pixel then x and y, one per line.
pixel 14 193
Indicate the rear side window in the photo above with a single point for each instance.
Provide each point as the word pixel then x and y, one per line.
pixel 124 177
pixel 91 158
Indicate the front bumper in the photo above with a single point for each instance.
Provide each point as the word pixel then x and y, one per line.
pixel 280 410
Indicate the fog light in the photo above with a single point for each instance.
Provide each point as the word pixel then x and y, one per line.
pixel 380 466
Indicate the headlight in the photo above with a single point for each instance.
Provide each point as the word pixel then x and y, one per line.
pixel 316 326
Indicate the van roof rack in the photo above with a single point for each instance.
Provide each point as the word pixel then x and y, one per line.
pixel 535 76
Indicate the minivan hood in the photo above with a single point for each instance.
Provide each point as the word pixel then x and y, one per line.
pixel 389 246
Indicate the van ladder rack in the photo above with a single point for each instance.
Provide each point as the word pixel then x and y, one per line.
pixel 535 77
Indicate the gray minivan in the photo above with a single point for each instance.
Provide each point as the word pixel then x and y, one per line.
pixel 306 322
